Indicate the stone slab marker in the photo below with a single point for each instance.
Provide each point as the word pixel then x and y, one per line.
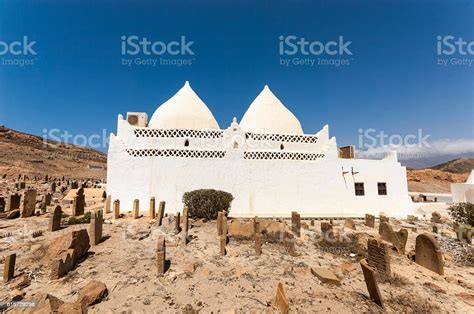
pixel 258 239
pixel 2 204
pixel 116 209
pixel 223 237
pixel 47 199
pixel 152 212
pixel 281 301
pixel 327 232
pixel 95 231
pixel 386 232
pixel 14 202
pixel 161 212
pixel 29 202
pixel 289 243
pixel 379 256
pixel 79 203
pixel 136 209
pixel 370 220
pixel 371 282
pixel 55 219
pixel 9 267
pixel 350 223
pixel 400 239
pixel 296 224
pixel 220 218
pixel 383 218
pixel 428 254
pixel 108 204
pixel 177 222
pixel 161 255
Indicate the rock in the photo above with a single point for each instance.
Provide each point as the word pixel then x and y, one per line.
pixel 240 270
pixel 338 272
pixel 205 272
pixel 467 297
pixel 435 217
pixel 325 275
pixel 13 214
pixel 19 282
pixel 434 287
pixel 92 293
pixel 72 308
pixel 64 252
pixel 304 225
pixel 348 267
pixel 190 267
pixel 17 295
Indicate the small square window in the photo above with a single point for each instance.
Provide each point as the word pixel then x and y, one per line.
pixel 382 188
pixel 359 188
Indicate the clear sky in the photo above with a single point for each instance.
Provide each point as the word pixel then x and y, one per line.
pixel 392 84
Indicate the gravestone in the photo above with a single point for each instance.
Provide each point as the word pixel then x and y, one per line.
pixel 95 231
pixel 220 218
pixel 152 208
pixel 400 239
pixel 29 203
pixel 55 219
pixel 258 239
pixel 52 187
pixel 177 222
pixel 9 267
pixel 79 203
pixel 223 237
pixel 435 217
pixel 296 224
pixel 350 223
pixel 186 219
pixel 371 283
pixel 47 199
pixel 281 301
pixel 379 256
pixel 161 255
pixel 14 202
pixel 428 254
pixel 136 209
pixel 312 223
pixel 2 204
pixel 386 231
pixel 108 202
pixel 383 218
pixel 327 232
pixel 289 243
pixel 370 220
pixel 116 209
pixel 161 212
pixel 74 184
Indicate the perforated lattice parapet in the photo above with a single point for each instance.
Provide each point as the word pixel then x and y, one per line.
pixel 183 153
pixel 282 138
pixel 282 155
pixel 177 133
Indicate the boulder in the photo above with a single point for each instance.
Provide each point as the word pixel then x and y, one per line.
pixel 13 214
pixel 325 275
pixel 92 293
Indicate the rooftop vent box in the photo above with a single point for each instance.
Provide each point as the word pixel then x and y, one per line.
pixel 347 152
pixel 138 119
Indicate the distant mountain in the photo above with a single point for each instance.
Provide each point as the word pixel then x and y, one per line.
pixel 460 165
pixel 22 153
pixel 438 179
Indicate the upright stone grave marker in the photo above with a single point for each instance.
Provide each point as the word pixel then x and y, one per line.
pixel 350 223
pixel 296 224
pixel 55 219
pixel 116 209
pixel 281 303
pixel 9 267
pixel 161 255
pixel 108 204
pixel 14 202
pixel 379 256
pixel 152 213
pixel 258 239
pixel 97 220
pixel 136 209
pixel 371 283
pixel 161 213
pixel 29 203
pixel 428 254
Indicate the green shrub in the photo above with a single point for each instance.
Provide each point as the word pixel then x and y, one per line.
pixel 462 213
pixel 85 219
pixel 206 203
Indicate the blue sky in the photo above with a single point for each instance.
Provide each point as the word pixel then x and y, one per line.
pixel 393 83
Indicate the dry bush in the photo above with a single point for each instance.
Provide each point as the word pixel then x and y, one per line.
pixel 413 304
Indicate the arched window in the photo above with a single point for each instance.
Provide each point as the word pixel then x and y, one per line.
pixel 186 143
pixel 236 145
pixel 282 147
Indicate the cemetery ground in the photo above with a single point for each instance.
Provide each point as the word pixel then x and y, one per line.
pixel 318 272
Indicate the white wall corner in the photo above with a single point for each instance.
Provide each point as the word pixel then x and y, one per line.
pixel 323 134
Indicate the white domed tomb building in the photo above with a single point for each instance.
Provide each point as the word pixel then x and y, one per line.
pixel 266 161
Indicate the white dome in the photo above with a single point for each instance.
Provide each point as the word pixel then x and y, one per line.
pixel 185 110
pixel 266 114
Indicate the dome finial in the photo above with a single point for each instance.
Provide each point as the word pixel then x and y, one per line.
pixel 186 83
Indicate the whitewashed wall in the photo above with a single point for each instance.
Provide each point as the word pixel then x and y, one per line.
pixel 265 188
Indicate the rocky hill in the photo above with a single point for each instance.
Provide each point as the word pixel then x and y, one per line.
pixel 438 179
pixel 27 154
